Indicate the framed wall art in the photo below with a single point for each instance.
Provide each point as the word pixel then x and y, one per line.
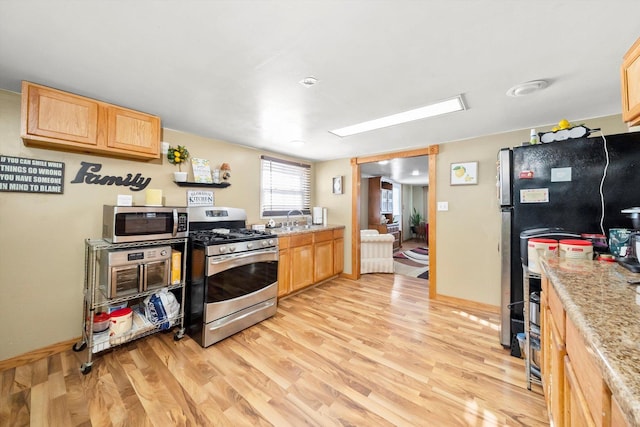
pixel 337 184
pixel 464 173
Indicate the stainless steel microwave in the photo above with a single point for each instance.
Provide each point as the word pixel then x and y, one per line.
pixel 140 223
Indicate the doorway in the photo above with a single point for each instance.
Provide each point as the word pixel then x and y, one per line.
pixel 429 154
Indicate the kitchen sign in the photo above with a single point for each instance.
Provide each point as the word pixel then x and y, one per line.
pixel 199 198
pixel 20 174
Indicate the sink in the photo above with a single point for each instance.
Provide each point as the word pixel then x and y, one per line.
pixel 290 229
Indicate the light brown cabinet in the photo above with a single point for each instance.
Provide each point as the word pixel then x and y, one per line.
pixel 553 352
pixel 284 267
pixel 577 408
pixel 630 79
pixel 309 258
pixel 301 253
pixel 322 255
pixel 573 385
pixel 338 251
pixel 58 120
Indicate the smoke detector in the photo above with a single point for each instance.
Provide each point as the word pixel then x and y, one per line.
pixel 527 88
pixel 308 81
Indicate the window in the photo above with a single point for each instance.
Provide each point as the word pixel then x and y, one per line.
pixel 285 186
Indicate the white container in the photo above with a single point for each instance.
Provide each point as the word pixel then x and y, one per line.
pixel 317 215
pixel 549 248
pixel 121 321
pixel 576 249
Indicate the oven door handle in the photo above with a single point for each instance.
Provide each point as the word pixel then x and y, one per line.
pixel 226 262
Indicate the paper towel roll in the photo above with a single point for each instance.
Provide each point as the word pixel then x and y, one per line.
pixel 153 197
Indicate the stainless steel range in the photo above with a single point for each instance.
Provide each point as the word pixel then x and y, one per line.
pixel 232 281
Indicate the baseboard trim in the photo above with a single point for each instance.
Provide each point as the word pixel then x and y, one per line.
pixel 468 303
pixel 36 355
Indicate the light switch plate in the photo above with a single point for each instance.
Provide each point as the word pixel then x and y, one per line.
pixel 443 206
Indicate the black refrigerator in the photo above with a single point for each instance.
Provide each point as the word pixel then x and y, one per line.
pixel 576 185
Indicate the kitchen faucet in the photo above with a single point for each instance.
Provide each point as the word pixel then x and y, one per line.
pixel 292 211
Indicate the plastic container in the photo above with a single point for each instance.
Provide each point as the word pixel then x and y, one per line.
pixel 121 321
pixel 576 249
pixel 548 246
pixel 100 322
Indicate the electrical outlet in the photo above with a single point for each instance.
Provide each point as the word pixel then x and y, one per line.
pixel 443 206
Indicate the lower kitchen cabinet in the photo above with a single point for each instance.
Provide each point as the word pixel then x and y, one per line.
pixel 553 352
pixel 301 252
pixel 284 267
pixel 308 258
pixel 577 409
pixel 322 255
pixel 338 251
pixel 573 385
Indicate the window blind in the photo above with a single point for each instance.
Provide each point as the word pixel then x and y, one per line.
pixel 285 186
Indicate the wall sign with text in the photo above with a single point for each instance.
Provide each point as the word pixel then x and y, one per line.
pixel 20 174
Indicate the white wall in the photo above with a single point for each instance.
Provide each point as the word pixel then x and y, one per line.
pixel 469 232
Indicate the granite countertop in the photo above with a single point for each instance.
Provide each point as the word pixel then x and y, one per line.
pixel 606 311
pixel 287 231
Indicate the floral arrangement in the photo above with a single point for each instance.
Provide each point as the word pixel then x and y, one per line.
pixel 178 155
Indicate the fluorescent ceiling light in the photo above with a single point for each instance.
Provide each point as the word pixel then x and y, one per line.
pixel 442 107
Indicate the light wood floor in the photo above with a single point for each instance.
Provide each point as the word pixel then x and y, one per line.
pixel 373 352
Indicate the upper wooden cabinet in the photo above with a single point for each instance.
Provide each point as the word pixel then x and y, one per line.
pixel 630 76
pixel 63 121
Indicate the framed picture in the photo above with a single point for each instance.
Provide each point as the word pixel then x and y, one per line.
pixel 464 173
pixel 337 185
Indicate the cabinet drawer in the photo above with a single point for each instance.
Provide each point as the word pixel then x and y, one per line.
pixel 323 236
pixel 301 240
pixel 283 242
pixel 587 374
pixel 557 311
pixel 338 233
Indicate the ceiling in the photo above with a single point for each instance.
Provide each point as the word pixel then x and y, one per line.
pixel 230 69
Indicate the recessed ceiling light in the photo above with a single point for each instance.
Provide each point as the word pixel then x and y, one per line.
pixel 527 88
pixel 442 107
pixel 296 142
pixel 415 173
pixel 308 81
pixel 383 162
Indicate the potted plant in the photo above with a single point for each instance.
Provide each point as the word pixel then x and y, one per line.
pixel 415 219
pixel 177 156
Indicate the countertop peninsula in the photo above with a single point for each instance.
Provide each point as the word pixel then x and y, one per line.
pixel 606 311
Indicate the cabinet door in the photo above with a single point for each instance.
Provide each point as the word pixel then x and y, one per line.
pixel 56 115
pixel 618 419
pixel 284 273
pixel 323 260
pixel 556 378
pixel 338 255
pixel 577 409
pixel 588 375
pixel 133 132
pixel 630 71
pixel 301 267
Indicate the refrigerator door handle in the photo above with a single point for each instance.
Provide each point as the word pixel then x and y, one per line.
pixel 505 159
pixel 505 277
